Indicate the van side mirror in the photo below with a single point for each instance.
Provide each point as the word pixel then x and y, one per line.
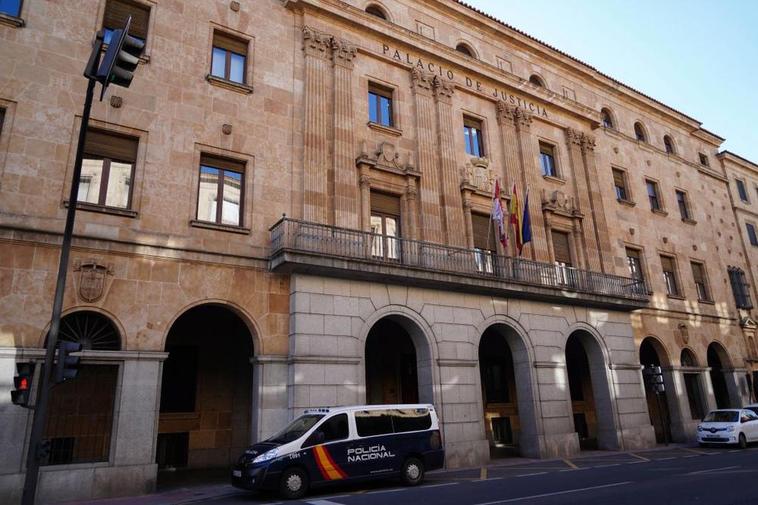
pixel 316 438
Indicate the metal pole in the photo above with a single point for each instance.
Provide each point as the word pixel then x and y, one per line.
pixel 40 409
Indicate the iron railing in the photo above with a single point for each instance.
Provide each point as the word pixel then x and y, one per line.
pixel 331 241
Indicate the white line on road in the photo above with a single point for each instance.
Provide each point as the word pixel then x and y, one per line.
pixel 390 490
pixel 531 474
pixel 486 480
pixel 543 495
pixel 323 502
pixel 614 464
pixel 666 459
pixel 440 485
pixel 713 470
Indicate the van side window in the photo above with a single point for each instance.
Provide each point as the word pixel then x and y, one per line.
pixel 334 428
pixel 411 420
pixel 373 422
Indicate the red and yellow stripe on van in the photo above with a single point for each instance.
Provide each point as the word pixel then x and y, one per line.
pixel 326 465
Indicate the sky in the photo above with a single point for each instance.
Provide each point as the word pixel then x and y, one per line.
pixel 698 57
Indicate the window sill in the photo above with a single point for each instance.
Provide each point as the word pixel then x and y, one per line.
pixel 688 220
pixel 102 209
pixel 220 227
pixel 659 212
pixel 555 179
pixel 628 203
pixel 13 21
pixel 245 89
pixel 707 302
pixel 389 130
pixel 676 297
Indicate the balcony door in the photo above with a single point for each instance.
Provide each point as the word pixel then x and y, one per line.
pixel 562 255
pixel 385 225
pixel 484 243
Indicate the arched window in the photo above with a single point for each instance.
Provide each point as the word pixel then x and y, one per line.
pixel 465 49
pixel 687 358
pixel 606 118
pixel 639 132
pixel 537 81
pixel 668 143
pixel 377 11
pixel 91 329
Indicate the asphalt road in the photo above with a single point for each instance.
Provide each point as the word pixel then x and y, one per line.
pixel 666 477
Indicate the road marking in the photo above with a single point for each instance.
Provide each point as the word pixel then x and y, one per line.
pixel 575 469
pixel 666 459
pixel 572 465
pixel 531 474
pixel 395 490
pixel 695 451
pixel 690 456
pixel 543 495
pixel 440 485
pixel 636 462
pixel 735 450
pixel 323 502
pixel 606 466
pixel 713 470
pixel 491 478
pixel 638 457
pixel 483 473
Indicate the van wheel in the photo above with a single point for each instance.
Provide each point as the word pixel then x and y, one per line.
pixel 293 484
pixel 742 441
pixel 412 472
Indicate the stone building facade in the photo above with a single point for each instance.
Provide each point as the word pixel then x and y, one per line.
pixel 307 223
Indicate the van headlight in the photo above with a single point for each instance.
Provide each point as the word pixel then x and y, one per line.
pixel 730 428
pixel 700 428
pixel 266 456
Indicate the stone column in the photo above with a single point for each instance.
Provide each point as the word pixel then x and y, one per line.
pixel 509 138
pixel 269 411
pixel 449 175
pixel 346 205
pixel 431 219
pixel 411 204
pixel 682 424
pixel 467 219
pixel 317 47
pixel 600 228
pixel 558 438
pixel 528 157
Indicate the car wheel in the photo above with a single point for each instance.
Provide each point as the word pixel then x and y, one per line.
pixel 742 441
pixel 412 472
pixel 293 484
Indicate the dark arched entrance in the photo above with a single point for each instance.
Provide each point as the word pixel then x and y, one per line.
pixel 391 364
pixel 692 384
pixel 717 359
pixel 591 403
pixel 206 391
pixel 657 403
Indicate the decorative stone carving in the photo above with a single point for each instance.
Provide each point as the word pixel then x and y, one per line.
pixel 522 118
pixel 234 6
pixel 588 142
pixel 93 279
pixel 386 157
pixel 343 51
pixel 316 43
pixel 116 101
pixel 574 136
pixel 684 334
pixel 421 80
pixel 478 175
pixel 505 112
pixel 364 180
pixel 442 89
pixel 226 129
pixel 559 203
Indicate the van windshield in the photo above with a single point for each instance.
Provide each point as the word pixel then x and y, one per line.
pixel 722 416
pixel 296 428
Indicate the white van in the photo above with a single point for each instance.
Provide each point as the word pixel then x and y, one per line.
pixel 344 444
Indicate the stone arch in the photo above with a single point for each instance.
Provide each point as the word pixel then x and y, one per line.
pixel 522 355
pixel 245 317
pixel 112 319
pixel 660 350
pixel 538 80
pixel 640 131
pixel 597 365
pixel 725 390
pixel 688 357
pixel 422 337
pixel 379 10
pixel 611 116
pixel 466 48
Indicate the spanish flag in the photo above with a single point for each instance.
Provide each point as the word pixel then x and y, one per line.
pixel 515 212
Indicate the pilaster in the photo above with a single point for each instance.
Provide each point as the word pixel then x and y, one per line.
pixel 580 183
pixel 602 236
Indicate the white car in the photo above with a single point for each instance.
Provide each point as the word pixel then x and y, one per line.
pixel 728 426
pixel 753 407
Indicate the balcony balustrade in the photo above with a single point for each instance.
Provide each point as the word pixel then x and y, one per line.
pixel 300 246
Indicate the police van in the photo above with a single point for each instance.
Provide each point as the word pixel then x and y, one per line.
pixel 344 444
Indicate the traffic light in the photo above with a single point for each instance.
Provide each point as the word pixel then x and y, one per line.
pixel 654 377
pixel 121 59
pixel 22 383
pixel 66 366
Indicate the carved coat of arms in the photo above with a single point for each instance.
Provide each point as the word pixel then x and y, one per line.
pixel 92 280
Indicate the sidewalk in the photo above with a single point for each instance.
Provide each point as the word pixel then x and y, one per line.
pixel 194 494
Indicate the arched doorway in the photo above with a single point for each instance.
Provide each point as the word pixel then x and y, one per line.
pixel 591 403
pixel 507 402
pixel 717 361
pixel 206 391
pixel 398 363
pixel 657 404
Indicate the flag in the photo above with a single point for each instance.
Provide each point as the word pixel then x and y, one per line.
pixel 515 212
pixel 526 223
pixel 498 215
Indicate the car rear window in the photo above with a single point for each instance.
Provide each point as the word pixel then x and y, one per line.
pixel 382 422
pixel 728 416
pixel 411 420
pixel 373 422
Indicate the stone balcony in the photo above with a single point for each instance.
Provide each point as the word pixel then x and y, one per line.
pixel 317 249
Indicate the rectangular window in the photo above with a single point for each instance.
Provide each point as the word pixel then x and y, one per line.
pixel 107 169
pixel 619 185
pixel 385 225
pixel 562 253
pixel 81 416
pixel 668 266
pixel 740 288
pixel 547 160
pixel 484 242
pixel 701 282
pixel 11 7
pixel 380 105
pixel 742 190
pixel 221 180
pixel 703 159
pixel 684 208
pixel 229 57
pixel 694 396
pixel 404 420
pixel 472 134
pixel 373 422
pixel 652 194
pixel 116 13
pixel 751 233
pixel 635 264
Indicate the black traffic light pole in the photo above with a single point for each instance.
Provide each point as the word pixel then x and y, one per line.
pixel 40 409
